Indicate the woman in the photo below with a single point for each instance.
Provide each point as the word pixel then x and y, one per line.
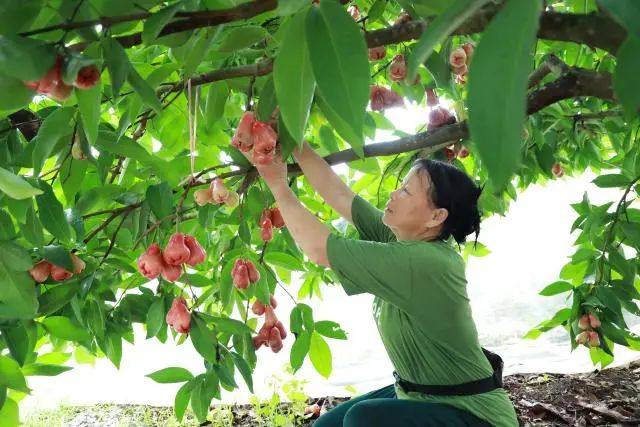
pixel 405 259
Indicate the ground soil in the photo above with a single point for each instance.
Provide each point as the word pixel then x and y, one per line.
pixel 607 397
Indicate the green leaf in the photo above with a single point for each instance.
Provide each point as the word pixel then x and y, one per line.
pixel 216 98
pixel 227 324
pixel 340 65
pixel 556 288
pixel 497 107
pixel 15 94
pixel 267 102
pixel 160 199
pixel 15 256
pixel 89 105
pixel 7 231
pixel 56 298
pixel 9 415
pixel 439 69
pixel 289 7
pixel 182 398
pixel 244 369
pixel 62 327
pixel 72 66
pixel 18 16
pixel 24 58
pixel 204 341
pixel 626 73
pixel 284 260
pixel 54 127
pixel 377 10
pixel 154 25
pixel 15 186
pixel 632 231
pixel 299 350
pixel 17 294
pixel 155 318
pixel 199 49
pixel 330 329
pixel 117 62
pixel 57 255
pixel 320 355
pixel 17 340
pixel 611 180
pixel 293 78
pixel 32 230
pixel 52 215
pixel 342 127
pixel 626 12
pixel 170 375
pixel 437 30
pixel 44 370
pixel 241 37
pixel 11 376
pixel 144 90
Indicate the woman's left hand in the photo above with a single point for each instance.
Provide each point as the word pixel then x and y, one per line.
pixel 273 173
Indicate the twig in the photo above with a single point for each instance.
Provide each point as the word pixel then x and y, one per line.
pixel 113 239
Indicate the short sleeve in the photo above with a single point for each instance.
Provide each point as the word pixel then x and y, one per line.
pixel 368 221
pixel 408 274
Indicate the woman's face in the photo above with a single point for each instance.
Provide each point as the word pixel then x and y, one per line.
pixel 410 214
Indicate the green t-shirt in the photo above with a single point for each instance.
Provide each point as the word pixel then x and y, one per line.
pixel 421 309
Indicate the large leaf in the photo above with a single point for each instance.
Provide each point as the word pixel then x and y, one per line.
pixel 557 288
pixel 160 199
pixel 241 37
pixel 293 78
pixel 14 93
pixel 284 260
pixel 17 294
pixel 320 355
pixel 57 255
pixel 56 298
pixel 216 98
pixel 626 12
pixel 89 105
pixel 157 21
pixel 203 339
pixel 9 415
pixel 625 78
pixel 56 125
pixel 52 215
pixel 611 181
pixel 26 59
pixel 340 64
pixel 15 186
pixel 117 62
pixel 182 398
pixel 11 376
pixel 437 30
pixel 44 370
pixel 497 106
pixel 245 370
pixel 15 256
pixel 17 340
pixel 330 329
pixel 144 90
pixel 62 327
pixel 17 16
pixel 299 350
pixel 170 375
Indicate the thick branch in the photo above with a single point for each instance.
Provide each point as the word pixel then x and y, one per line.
pixel 593 29
pixel 575 82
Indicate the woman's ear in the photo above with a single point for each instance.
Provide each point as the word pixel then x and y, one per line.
pixel 438 216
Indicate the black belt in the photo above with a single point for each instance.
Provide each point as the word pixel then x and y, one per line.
pixel 474 387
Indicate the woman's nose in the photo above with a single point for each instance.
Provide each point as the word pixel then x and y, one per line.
pixel 393 194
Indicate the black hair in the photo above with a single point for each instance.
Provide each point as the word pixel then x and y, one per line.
pixel 453 190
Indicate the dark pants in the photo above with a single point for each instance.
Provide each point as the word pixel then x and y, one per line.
pixel 382 408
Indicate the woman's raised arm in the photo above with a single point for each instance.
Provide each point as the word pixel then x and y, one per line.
pixel 325 181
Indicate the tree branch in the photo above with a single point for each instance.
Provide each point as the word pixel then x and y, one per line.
pixel 575 82
pixel 593 30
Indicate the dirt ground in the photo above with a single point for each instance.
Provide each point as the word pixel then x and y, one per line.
pixel 607 397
